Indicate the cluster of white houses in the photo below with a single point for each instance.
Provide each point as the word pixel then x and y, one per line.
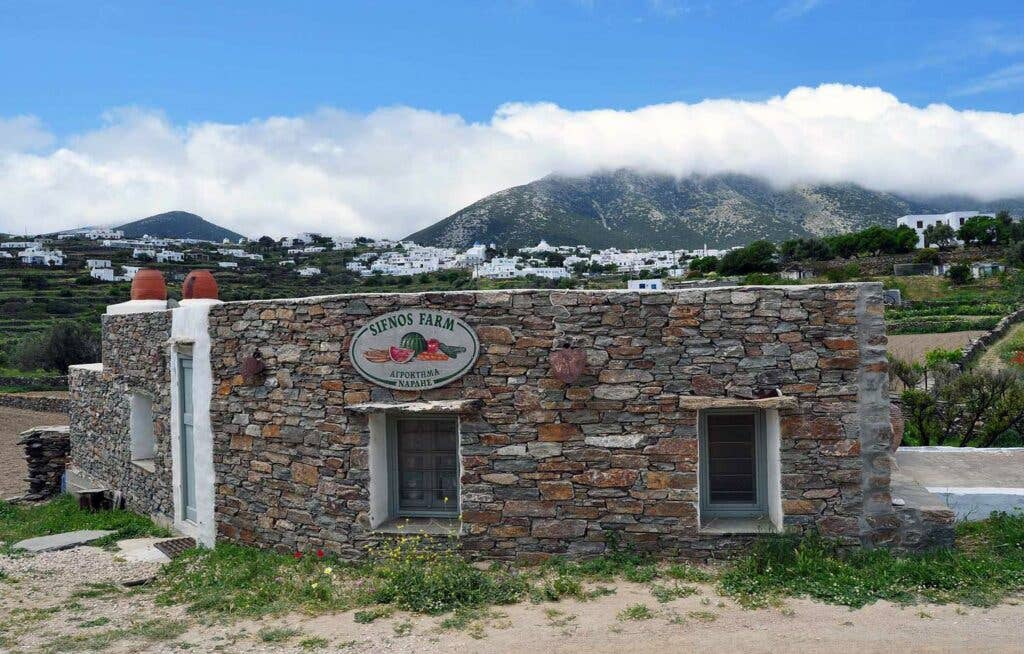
pixel 403 258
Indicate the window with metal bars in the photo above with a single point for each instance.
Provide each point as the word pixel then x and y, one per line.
pixel 424 466
pixel 733 467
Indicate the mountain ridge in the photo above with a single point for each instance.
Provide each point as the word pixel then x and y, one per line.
pixel 628 209
pixel 178 224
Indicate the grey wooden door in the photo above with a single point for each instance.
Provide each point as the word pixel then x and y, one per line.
pixel 188 446
pixel 428 467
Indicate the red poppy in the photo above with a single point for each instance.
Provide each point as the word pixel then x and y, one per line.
pixel 298 555
pixel 319 554
pixel 1018 358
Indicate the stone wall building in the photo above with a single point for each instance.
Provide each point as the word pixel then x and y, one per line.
pixel 701 418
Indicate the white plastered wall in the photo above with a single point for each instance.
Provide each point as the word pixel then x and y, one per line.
pixel 378 469
pixel 773 447
pixel 190 326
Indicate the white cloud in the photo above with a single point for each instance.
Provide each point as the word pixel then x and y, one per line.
pixel 395 170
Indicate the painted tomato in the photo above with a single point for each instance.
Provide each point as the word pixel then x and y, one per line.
pixel 400 354
pixel 433 345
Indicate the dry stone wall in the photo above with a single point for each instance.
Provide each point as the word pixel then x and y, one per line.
pixel 46 453
pixel 135 359
pixel 547 467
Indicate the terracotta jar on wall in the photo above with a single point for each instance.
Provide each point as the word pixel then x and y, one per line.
pixel 148 284
pixel 199 285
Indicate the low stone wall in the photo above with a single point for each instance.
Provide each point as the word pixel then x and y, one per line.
pixel 59 383
pixel 974 349
pixel 35 403
pixel 46 451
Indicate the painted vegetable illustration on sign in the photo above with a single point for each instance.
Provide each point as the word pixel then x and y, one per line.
pixel 414 347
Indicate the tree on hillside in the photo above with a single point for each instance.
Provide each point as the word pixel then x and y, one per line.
pixel 704 265
pixel 759 256
pixel 805 249
pixel 941 235
pixel 978 409
pixel 982 230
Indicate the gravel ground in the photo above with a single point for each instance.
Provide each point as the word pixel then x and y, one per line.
pixel 12 456
pixel 53 603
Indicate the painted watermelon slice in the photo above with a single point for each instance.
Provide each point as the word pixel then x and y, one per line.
pixel 400 354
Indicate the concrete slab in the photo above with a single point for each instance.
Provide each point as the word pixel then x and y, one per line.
pixel 964 466
pixel 142 550
pixel 63 541
pixel 973 482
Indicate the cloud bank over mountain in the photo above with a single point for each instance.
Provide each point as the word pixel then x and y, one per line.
pixel 392 171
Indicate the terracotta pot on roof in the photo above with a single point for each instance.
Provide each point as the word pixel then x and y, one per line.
pixel 199 285
pixel 148 284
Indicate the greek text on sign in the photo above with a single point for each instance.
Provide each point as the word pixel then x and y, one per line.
pixel 414 349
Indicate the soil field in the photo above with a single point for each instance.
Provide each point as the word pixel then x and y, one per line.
pixel 12 456
pixel 87 610
pixel 913 347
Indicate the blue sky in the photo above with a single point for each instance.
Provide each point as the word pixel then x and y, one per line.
pixel 379 118
pixel 69 62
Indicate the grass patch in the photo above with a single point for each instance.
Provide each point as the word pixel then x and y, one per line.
pixel 664 593
pixel 313 643
pixel 153 631
pixel 986 567
pixel 18 522
pixel 366 616
pixel 636 612
pixel 235 581
pixel 277 634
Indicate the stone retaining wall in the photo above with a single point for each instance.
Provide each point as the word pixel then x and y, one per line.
pixel 977 346
pixel 35 403
pixel 46 452
pixel 58 383
pixel 549 468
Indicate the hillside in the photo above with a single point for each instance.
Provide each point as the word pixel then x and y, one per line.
pixel 627 209
pixel 178 224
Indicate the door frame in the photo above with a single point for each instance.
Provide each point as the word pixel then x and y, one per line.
pixel 188 482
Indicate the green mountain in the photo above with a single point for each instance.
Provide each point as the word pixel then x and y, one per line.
pixel 178 224
pixel 628 209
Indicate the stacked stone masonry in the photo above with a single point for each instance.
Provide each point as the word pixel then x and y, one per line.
pixel 546 468
pixel 46 454
pixel 135 360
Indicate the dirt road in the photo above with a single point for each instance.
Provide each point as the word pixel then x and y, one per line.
pixel 12 461
pixel 82 614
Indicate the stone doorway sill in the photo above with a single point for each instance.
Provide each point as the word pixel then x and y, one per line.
pixel 422 526
pixel 729 526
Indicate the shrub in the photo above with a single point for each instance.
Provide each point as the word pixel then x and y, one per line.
pixel 64 344
pixel 928 255
pixel 959 273
pixel 410 575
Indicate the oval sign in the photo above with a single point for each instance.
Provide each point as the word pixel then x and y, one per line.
pixel 414 349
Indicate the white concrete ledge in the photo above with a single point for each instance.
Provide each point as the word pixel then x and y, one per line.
pixel 425 406
pixel 696 402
